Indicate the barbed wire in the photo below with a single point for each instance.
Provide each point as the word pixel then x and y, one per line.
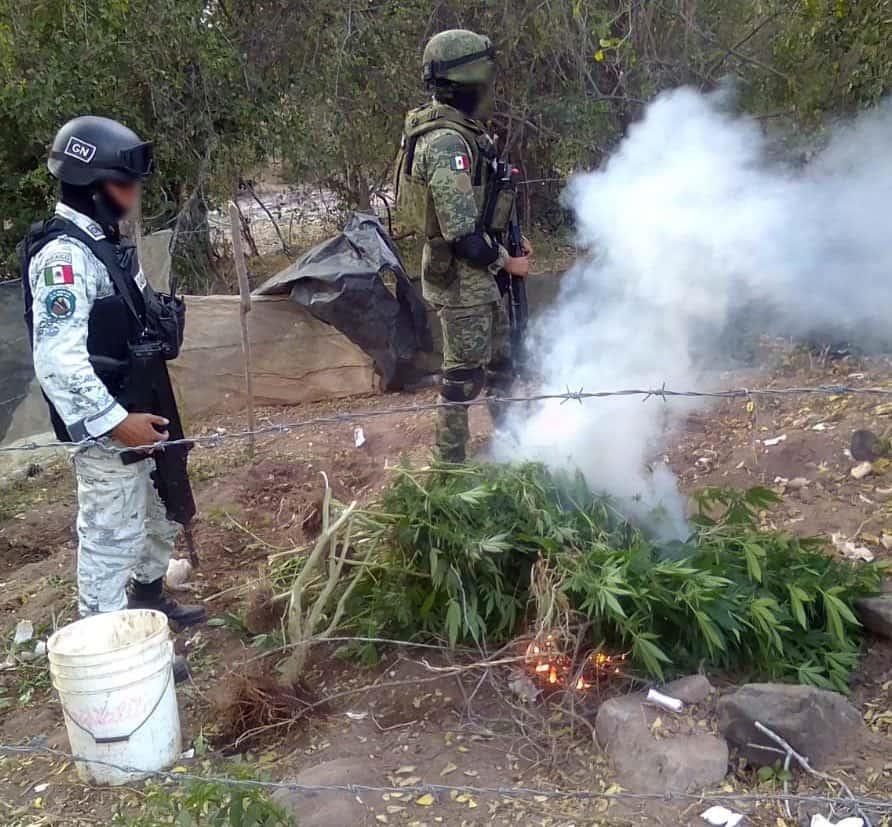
pixel 874 805
pixel 349 417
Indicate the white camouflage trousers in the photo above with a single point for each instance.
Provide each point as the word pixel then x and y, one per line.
pixel 121 527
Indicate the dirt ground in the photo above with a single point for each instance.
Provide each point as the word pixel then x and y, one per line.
pixel 415 724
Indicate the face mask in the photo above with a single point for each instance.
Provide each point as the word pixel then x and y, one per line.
pixel 484 107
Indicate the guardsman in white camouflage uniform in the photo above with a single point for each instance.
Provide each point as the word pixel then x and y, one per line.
pixel 86 302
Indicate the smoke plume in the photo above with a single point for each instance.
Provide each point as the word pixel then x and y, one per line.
pixel 692 225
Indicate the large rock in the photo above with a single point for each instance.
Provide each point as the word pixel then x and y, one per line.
pixel 876 614
pixel 818 724
pixel 330 809
pixel 644 763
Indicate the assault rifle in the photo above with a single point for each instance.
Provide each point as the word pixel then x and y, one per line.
pixel 149 390
pixel 504 191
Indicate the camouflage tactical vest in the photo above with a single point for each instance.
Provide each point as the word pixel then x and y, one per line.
pixel 413 198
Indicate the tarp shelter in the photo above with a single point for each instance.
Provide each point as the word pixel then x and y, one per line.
pixel 356 282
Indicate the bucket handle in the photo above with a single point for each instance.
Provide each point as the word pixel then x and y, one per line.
pixel 117 739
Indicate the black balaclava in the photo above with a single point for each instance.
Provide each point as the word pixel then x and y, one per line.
pixel 464 98
pixel 93 201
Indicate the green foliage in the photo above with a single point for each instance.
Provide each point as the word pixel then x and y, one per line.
pixel 176 71
pixel 836 54
pixel 456 547
pixel 320 88
pixel 206 804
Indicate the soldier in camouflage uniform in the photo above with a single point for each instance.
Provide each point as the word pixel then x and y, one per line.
pixel 444 172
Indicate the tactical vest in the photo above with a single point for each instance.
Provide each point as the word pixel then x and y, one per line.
pixel 129 316
pixel 413 197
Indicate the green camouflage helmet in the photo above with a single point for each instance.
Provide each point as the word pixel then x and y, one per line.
pixel 459 56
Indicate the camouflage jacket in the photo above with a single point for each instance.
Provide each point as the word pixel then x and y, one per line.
pixel 66 278
pixel 446 164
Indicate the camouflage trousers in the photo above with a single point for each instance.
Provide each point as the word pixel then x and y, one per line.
pixel 476 347
pixel 122 529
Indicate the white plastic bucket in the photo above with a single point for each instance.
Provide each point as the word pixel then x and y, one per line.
pixel 114 676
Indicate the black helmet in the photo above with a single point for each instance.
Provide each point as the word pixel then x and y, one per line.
pixel 90 149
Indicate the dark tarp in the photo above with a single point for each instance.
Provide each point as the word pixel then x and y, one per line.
pixel 356 282
pixel 16 365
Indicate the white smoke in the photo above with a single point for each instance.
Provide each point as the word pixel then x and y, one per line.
pixel 687 223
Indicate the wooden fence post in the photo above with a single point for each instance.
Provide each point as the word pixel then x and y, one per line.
pixel 244 290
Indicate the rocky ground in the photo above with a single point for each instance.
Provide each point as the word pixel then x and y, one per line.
pixel 401 722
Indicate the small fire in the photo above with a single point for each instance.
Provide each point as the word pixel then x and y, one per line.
pixel 553 667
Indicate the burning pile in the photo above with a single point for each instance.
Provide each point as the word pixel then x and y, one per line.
pixel 474 554
pixel 553 668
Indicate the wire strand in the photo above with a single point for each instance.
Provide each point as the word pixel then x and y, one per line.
pixel 664 393
pixel 875 805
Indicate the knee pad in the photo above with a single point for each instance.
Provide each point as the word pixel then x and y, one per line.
pixel 462 384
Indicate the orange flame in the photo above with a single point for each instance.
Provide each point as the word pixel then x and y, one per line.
pixel 554 667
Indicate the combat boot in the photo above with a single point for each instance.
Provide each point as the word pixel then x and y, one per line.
pixel 181 671
pixel 152 596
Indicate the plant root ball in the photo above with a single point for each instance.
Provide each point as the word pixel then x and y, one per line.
pixel 263 615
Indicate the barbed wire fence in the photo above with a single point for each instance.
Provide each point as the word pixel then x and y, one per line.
pixel 862 804
pixel 873 805
pixel 352 416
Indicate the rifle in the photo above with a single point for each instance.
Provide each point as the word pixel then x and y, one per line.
pixel 149 390
pixel 505 183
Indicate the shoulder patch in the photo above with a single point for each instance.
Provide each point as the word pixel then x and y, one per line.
pixel 94 231
pixel 460 162
pixel 58 257
pixel 60 303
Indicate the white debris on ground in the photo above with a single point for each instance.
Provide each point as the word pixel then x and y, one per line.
pixel 722 817
pixel 820 821
pixel 664 701
pixel 24 631
pixel 864 469
pixel 849 550
pixel 178 573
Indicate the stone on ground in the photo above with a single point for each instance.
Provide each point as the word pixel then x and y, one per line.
pixel 876 614
pixel 328 809
pixel 643 762
pixel 818 724
pixel 693 689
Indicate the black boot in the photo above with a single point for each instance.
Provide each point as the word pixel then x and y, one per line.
pixel 152 596
pixel 181 671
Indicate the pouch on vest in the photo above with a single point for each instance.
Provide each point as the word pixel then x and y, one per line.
pixel 501 212
pixel 166 322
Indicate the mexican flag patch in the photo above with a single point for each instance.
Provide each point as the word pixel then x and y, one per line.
pixel 461 163
pixel 58 274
